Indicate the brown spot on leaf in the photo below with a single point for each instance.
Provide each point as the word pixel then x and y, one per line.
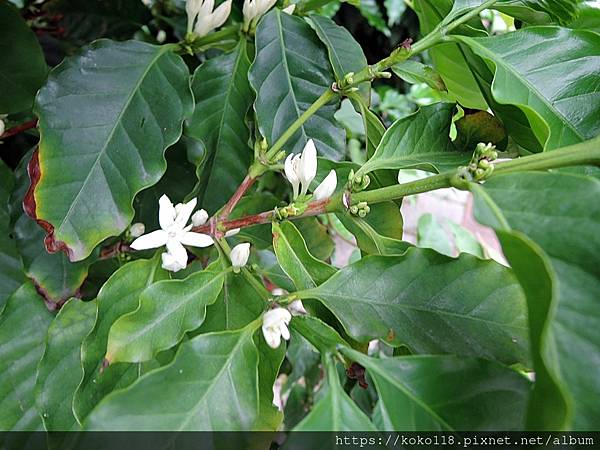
pixel 29 205
pixel 390 336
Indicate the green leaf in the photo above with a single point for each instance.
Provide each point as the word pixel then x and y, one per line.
pixel 11 267
pixel 289 73
pixel 324 338
pixel 465 241
pixel 560 273
pixel 335 411
pixel 23 68
pixel 119 296
pixel 446 393
pixel 167 310
pixel 415 72
pixel 450 60
pixel 419 141
pixel 106 117
pixel 223 97
pixel 380 232
pixel 60 370
pixel 560 10
pixel 304 269
pixel 430 234
pixel 345 54
pixel 370 10
pixel 212 372
pixel 394 10
pixel 430 303
pixel 561 103
pixel 269 362
pixel 589 17
pixel 23 325
pixel 317 238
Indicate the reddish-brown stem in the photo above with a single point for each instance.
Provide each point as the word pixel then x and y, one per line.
pixel 19 129
pixel 237 195
pixel 313 209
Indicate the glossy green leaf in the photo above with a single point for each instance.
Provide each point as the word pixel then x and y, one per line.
pixel 345 54
pixel 317 238
pixel 335 411
pixel 60 370
pixel 557 87
pixel 269 362
pixel 211 385
pixel 370 10
pixel 450 60
pixel 446 393
pixel 560 10
pixel 106 117
pixel 431 303
pixel 23 68
pixel 465 241
pixel 167 310
pixel 420 141
pixel 11 267
pixel 289 73
pixel 23 326
pixel 380 232
pixel 431 234
pixel 589 17
pixel 324 338
pixel 119 296
pixel 415 72
pixel 560 274
pixel 223 97
pixel 294 258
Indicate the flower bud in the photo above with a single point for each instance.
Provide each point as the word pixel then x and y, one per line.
pixel 232 232
pixel 239 255
pixel 289 9
pixel 327 187
pixel 137 229
pixel 274 326
pixel 296 308
pixel 199 218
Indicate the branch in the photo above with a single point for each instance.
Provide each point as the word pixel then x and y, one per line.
pixel 237 195
pixel 19 129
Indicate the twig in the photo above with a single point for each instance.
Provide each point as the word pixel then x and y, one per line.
pixel 19 129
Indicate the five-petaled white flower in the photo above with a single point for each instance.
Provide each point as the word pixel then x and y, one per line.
pixel 274 326
pixel 254 9
pixel 301 169
pixel 201 19
pixel 174 234
pixel 239 255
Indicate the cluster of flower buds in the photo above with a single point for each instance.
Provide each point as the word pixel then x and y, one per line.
pixel 481 165
pixel 358 183
pixel 203 17
pixel 361 209
pixel 254 9
pixel 301 169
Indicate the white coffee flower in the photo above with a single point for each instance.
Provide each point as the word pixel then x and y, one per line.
pixel 2 127
pixel 199 217
pixel 202 19
pixel 289 9
pixel 232 232
pixel 254 9
pixel 174 234
pixel 137 229
pixel 239 255
pixel 301 169
pixel 274 326
pixel 326 187
pixel 296 308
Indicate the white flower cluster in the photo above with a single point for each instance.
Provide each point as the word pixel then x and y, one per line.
pixel 301 169
pixel 203 17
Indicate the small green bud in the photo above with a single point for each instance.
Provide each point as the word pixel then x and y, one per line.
pixel 484 164
pixel 479 174
pixel 362 213
pixel 354 209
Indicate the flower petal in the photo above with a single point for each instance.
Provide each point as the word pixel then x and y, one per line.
pixel 196 239
pixel 155 239
pixel 170 263
pixel 177 251
pixel 272 337
pixel 166 212
pixel 184 213
pixel 221 14
pixel 240 254
pixel 326 187
pixel 285 333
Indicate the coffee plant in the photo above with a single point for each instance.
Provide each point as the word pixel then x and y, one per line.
pixel 173 177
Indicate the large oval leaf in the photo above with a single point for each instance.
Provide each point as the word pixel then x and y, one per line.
pixel 446 393
pixel 211 385
pixel 431 303
pixel 23 326
pixel 552 74
pixel 118 296
pixel 167 310
pixel 289 73
pixel 60 371
pixel 562 291
pixel 106 117
pixel 223 97
pixel 23 68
